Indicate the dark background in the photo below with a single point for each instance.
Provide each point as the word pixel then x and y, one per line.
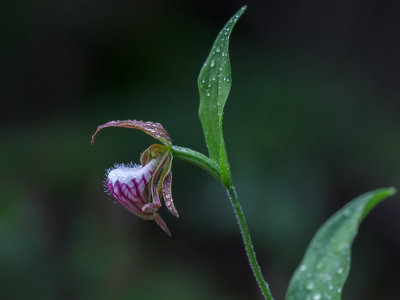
pixel 312 121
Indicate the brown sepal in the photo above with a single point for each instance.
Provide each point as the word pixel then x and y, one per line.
pixel 156 130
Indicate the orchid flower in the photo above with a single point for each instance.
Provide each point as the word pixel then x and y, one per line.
pixel 139 188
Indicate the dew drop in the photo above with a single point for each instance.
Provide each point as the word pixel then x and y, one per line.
pixel 340 270
pixel 303 268
pixel 342 247
pixel 317 296
pixel 218 49
pixel 310 285
pixel 212 64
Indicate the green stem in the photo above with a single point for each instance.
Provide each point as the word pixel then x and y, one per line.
pixel 251 254
pixel 197 159
pixel 210 166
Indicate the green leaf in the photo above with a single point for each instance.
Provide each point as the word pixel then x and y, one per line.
pixel 214 85
pixel 326 264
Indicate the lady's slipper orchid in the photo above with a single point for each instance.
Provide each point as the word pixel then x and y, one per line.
pixel 139 188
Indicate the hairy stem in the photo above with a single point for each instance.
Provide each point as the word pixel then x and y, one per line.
pixel 251 255
pixel 210 166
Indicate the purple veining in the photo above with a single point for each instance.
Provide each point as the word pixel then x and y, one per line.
pixel 127 185
pixel 140 188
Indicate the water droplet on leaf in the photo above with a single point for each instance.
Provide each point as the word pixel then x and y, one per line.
pixel 310 285
pixel 317 296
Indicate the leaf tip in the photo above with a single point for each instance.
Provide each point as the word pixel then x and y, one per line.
pixel 391 191
pixel 386 192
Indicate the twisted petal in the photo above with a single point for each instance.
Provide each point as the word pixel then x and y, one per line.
pixel 156 130
pixel 155 205
pixel 167 194
pixel 165 186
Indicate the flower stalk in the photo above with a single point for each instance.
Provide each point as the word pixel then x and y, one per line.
pixel 251 254
pixel 208 165
pixel 198 159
